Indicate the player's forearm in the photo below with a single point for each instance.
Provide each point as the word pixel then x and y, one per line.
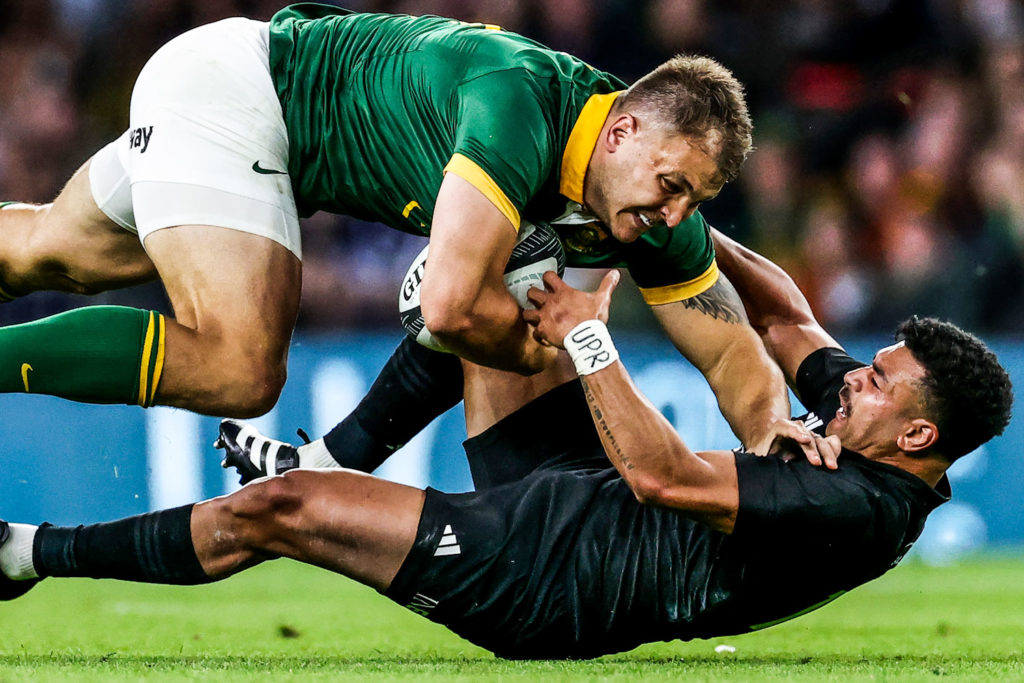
pixel 490 331
pixel 641 444
pixel 753 408
pixel 751 393
pixel 712 332
pixel 653 460
pixel 769 294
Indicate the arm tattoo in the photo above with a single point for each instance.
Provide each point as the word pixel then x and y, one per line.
pixel 616 453
pixel 720 302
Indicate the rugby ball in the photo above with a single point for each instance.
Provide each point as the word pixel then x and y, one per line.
pixel 537 251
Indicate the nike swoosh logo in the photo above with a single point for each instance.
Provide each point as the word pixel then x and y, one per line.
pixel 25 367
pixel 265 171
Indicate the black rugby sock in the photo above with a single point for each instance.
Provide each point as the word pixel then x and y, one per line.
pixel 415 386
pixel 151 548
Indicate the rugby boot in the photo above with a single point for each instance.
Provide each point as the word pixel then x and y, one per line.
pixel 9 588
pixel 252 454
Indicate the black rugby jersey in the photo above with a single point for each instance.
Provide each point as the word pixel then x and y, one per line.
pixel 803 536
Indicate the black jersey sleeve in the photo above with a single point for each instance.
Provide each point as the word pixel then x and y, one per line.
pixel 820 377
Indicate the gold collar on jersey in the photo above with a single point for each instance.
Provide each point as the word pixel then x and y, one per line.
pixel 582 141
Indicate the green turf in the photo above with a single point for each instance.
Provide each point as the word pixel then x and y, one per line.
pixel 287 622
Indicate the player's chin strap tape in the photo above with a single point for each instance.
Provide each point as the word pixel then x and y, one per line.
pixel 590 346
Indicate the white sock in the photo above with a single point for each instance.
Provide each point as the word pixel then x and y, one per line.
pixel 315 455
pixel 16 553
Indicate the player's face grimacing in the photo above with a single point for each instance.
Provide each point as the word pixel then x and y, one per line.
pixel 879 402
pixel 650 177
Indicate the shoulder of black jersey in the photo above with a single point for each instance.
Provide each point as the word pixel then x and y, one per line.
pixel 911 484
pixel 824 364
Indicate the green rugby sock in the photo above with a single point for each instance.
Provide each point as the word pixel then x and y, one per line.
pixel 96 354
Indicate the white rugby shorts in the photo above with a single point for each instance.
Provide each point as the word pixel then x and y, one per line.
pixel 206 143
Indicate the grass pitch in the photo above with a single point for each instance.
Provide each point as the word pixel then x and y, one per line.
pixel 285 622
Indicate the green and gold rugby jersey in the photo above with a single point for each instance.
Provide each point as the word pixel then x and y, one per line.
pixel 378 107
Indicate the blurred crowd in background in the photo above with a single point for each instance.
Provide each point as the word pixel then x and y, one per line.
pixel 888 176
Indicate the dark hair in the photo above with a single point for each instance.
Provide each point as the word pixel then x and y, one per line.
pixel 967 393
pixel 697 96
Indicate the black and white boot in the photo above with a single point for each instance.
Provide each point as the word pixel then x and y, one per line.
pixel 253 454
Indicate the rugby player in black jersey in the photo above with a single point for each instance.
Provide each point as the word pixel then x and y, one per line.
pixel 584 541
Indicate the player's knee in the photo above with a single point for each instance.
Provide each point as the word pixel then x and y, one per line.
pixel 260 512
pixel 257 394
pixel 273 497
pixel 250 387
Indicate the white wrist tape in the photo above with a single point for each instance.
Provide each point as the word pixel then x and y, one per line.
pixel 590 346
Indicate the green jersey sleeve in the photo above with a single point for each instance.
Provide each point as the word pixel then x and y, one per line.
pixel 505 130
pixel 673 264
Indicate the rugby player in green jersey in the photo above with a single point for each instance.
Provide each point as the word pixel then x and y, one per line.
pixel 429 125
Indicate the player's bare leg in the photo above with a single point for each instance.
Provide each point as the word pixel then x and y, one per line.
pixel 68 245
pixel 345 521
pixel 235 298
pixel 491 394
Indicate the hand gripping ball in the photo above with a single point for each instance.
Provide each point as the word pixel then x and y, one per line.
pixel 537 251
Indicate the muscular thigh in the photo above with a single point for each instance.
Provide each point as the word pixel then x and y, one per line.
pixel 352 523
pixel 227 283
pixel 206 156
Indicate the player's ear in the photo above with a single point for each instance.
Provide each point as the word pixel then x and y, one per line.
pixel 623 126
pixel 918 435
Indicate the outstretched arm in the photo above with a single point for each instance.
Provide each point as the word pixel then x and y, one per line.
pixel 643 446
pixel 777 308
pixel 712 332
